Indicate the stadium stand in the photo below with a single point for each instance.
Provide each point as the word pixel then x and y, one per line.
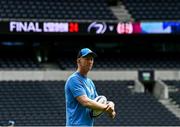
pixel 17 58
pixel 32 103
pixel 149 10
pixel 11 59
pixel 174 92
pixel 41 103
pixel 55 10
pixel 122 61
pixel 134 109
pixel 18 63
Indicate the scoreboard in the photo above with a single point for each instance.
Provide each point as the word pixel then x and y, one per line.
pixel 88 28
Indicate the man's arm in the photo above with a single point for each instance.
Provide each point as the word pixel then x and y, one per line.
pixel 85 101
pixel 109 108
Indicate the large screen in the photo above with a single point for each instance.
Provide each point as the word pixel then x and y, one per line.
pixel 89 27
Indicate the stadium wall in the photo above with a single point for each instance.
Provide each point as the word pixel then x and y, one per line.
pixel 95 75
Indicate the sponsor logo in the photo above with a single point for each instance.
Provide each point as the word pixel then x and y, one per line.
pixel 98 28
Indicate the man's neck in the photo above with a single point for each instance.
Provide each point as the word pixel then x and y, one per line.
pixel 84 73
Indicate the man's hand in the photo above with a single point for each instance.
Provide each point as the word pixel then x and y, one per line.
pixel 111 109
pixel 112 115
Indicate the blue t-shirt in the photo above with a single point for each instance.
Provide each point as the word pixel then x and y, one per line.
pixel 77 114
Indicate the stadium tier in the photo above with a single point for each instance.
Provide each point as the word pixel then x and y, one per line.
pixel 133 109
pixel 121 61
pixel 103 63
pixel 153 10
pixel 19 63
pixel 18 58
pixel 32 103
pixel 41 103
pixel 55 10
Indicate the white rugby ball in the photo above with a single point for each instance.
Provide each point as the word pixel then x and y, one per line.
pixel 100 99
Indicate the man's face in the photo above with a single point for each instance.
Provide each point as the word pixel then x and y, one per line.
pixel 86 63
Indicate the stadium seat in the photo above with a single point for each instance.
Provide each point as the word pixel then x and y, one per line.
pixel 56 10
pixel 153 10
pixel 123 61
pixel 39 103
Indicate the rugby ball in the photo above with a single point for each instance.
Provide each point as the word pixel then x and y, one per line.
pixel 102 100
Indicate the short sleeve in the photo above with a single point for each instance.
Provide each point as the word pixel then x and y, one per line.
pixel 76 87
pixel 94 87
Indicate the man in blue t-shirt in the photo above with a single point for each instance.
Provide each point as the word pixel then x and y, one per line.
pixel 80 93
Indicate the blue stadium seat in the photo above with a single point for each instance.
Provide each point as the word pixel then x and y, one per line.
pixel 56 9
pixel 153 10
pixel 39 103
